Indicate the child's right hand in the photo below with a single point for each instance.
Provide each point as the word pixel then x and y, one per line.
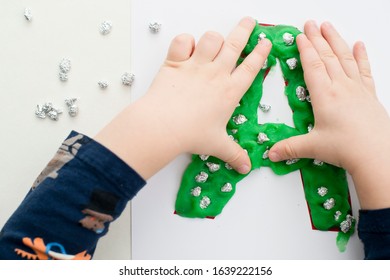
pixel 352 128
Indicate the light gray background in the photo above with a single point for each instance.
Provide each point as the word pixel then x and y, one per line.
pixel 268 217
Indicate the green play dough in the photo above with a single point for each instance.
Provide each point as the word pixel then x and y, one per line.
pixel 198 199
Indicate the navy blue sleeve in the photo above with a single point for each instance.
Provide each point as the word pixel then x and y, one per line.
pixel 374 231
pixel 71 204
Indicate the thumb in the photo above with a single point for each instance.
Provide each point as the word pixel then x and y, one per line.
pixel 233 154
pixel 294 147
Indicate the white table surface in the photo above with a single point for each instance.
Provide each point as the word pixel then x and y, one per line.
pixel 267 218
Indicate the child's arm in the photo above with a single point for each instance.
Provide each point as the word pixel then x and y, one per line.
pixel 189 103
pixel 71 204
pixel 352 128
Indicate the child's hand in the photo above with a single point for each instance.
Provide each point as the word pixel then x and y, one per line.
pixel 352 129
pixel 198 88
pixel 189 103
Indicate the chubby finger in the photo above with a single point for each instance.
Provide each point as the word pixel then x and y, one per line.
pixel 316 75
pixel 208 47
pixel 360 54
pixel 341 50
pixel 181 48
pixel 233 154
pixel 246 72
pixel 235 43
pixel 325 52
pixel 294 147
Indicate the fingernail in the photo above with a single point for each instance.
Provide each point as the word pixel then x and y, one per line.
pixel 274 156
pixel 327 24
pixel 244 169
pixel 313 24
pixel 362 45
pixel 248 20
pixel 265 42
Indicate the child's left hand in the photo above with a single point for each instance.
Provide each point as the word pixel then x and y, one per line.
pixel 191 100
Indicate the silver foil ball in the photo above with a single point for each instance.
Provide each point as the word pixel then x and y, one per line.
pixel 201 177
pixel 301 93
pixel 73 110
pixel 65 65
pixel 322 191
pixel 28 14
pixel 265 108
pixel 40 113
pixel 53 115
pixel 128 79
pixel 292 63
pixel 261 36
pixel 337 215
pixel 63 76
pixel 346 225
pixel 329 203
pixel 47 107
pixel 204 202
pixel 103 84
pixel 196 191
pixel 155 27
pixel 227 187
pixel 288 39
pixel 262 137
pixel 213 167
pixel 105 27
pixel 203 157
pixel 70 101
pixel 228 167
pixel 239 119
pixel 292 161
